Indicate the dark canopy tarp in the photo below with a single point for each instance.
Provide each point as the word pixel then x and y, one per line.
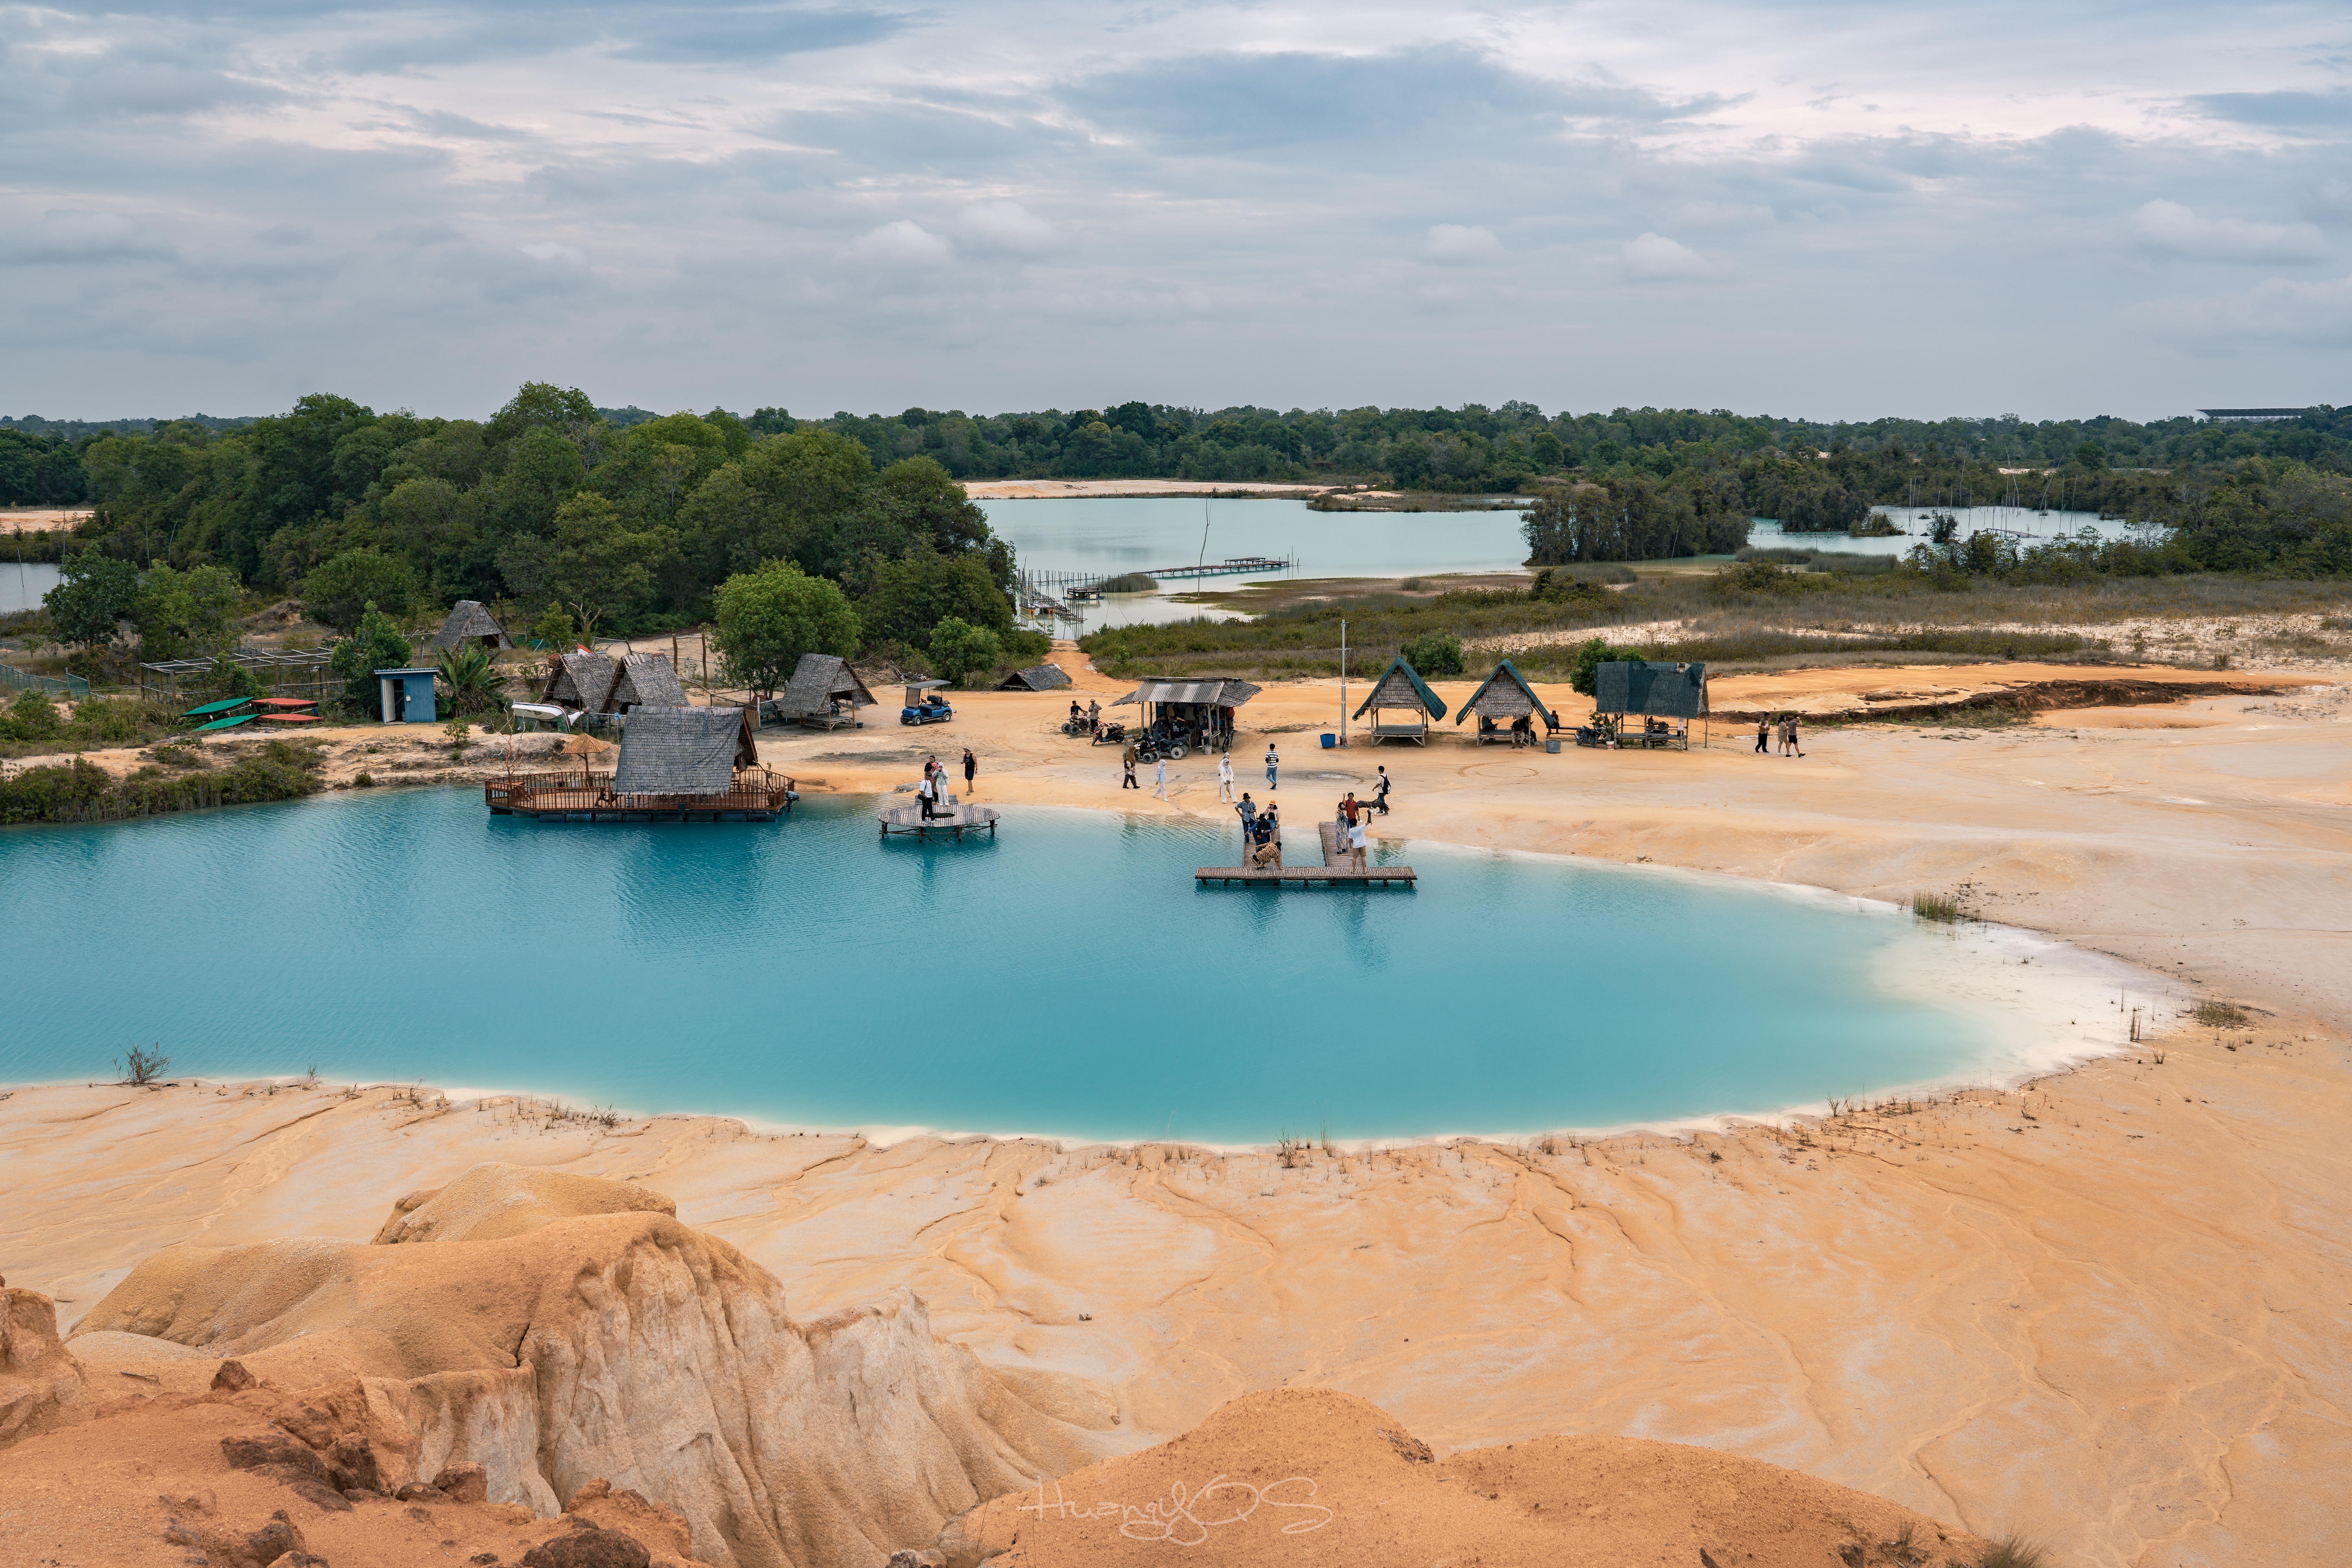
pixel 1658 691
pixel 1401 686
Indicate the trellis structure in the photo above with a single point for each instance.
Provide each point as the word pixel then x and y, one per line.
pixel 301 673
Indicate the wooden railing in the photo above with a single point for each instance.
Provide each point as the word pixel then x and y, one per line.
pixel 753 789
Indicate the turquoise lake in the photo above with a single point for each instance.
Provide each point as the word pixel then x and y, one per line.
pixel 1067 979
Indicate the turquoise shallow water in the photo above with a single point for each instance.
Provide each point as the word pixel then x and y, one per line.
pixel 1068 979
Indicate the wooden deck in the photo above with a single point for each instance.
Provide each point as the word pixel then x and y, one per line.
pixel 1332 872
pixel 758 795
pixel 955 818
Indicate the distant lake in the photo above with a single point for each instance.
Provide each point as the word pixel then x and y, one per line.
pixel 22 585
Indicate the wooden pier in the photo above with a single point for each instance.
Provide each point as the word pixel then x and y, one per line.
pixel 955 818
pixel 1333 872
pixel 756 796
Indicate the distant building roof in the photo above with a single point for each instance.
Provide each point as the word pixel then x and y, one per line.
pixel 1210 693
pixel 467 618
pixel 683 751
pixel 1037 677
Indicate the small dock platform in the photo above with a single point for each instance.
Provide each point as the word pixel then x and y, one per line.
pixel 1333 872
pixel 955 818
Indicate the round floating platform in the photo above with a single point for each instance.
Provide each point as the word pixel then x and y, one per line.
pixel 957 820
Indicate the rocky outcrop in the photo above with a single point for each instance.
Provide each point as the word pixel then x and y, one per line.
pixel 621 1347
pixel 491 1201
pixel 41 1383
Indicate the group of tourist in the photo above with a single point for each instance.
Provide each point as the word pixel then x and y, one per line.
pixel 1261 832
pixel 1783 728
pixel 933 792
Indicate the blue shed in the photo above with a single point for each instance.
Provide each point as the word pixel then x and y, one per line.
pixel 407 695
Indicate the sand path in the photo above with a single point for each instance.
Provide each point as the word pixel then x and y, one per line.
pixel 2109 1311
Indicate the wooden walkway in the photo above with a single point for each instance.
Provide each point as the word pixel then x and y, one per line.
pixel 955 818
pixel 1333 872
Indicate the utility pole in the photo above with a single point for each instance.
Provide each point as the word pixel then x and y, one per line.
pixel 1343 683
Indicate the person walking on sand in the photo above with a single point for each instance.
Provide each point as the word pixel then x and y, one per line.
pixel 1224 778
pixel 1795 746
pixel 1127 762
pixel 1272 763
pixel 1381 791
pixel 1762 728
pixel 1160 778
pixel 971 767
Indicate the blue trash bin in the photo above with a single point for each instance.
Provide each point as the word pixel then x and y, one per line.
pixel 1329 742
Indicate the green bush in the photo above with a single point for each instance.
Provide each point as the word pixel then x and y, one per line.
pixel 1437 654
pixel 959 648
pixel 1584 669
pixel 81 791
pixel 32 717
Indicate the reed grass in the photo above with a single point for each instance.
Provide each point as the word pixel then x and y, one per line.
pixel 2217 1015
pixel 1941 907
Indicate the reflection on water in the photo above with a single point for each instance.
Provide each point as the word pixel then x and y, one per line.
pixel 22 584
pixel 1068 978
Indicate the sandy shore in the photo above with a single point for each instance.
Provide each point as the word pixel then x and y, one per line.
pixel 2108 1311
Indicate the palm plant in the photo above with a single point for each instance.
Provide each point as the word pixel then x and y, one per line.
pixel 475 685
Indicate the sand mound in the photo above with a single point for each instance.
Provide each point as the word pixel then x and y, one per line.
pixel 1314 1478
pixel 40 1382
pixel 491 1201
pixel 625 1347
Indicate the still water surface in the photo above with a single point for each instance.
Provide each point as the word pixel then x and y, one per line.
pixel 1067 979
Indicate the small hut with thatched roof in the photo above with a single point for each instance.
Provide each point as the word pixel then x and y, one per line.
pixel 684 753
pixel 1402 690
pixel 644 681
pixel 1502 699
pixel 581 681
pixel 823 692
pixel 469 622
pixel 1038 677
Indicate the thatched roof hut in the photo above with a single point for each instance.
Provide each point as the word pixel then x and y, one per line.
pixel 581 680
pixel 1505 696
pixel 684 751
pixel 1038 677
pixel 1647 687
pixel 818 681
pixel 469 622
pixel 1400 689
pixel 644 681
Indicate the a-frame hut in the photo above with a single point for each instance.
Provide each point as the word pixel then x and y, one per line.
pixel 1401 690
pixel 1038 677
pixel 469 622
pixel 582 682
pixel 822 691
pixel 644 681
pixel 1503 697
pixel 688 753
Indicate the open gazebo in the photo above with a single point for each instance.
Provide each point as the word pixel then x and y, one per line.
pixel 1501 701
pixel 1665 697
pixel 823 693
pixel 1195 713
pixel 1401 690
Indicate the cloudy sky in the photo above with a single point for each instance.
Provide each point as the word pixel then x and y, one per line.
pixel 1830 209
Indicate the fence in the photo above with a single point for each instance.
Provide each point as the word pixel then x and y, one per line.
pixel 56 686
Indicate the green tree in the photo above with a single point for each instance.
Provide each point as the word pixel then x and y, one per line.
pixel 768 618
pixel 95 594
pixel 554 628
pixel 2090 455
pixel 595 565
pixel 179 613
pixel 378 643
pixel 1585 670
pixel 339 592
pixel 802 497
pixel 957 648
pixel 910 595
pixel 1434 653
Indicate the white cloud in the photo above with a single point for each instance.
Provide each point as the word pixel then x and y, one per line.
pixel 1461 245
pixel 554 252
pixel 2167 228
pixel 67 233
pixel 904 245
pixel 1652 257
pixel 2282 312
pixel 1008 229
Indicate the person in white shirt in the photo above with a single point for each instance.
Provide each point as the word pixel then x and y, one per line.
pixel 1272 763
pixel 1160 778
pixel 925 793
pixel 1224 778
pixel 1357 839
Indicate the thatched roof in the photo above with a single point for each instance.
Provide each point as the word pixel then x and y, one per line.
pixel 468 619
pixel 1506 694
pixel 683 751
pixel 817 680
pixel 1402 687
pixel 646 681
pixel 1212 693
pixel 1646 686
pixel 581 680
pixel 1038 677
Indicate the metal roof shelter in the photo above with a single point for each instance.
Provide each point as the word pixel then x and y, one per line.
pixel 1037 677
pixel 1645 686
pixel 691 751
pixel 1504 697
pixel 581 680
pixel 1204 693
pixel 644 681
pixel 1401 689
pixel 469 622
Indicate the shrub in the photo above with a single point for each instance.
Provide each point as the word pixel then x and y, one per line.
pixel 378 644
pixel 1584 669
pixel 32 717
pixel 959 648
pixel 1437 653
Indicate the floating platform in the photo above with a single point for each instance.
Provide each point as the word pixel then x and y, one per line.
pixel 956 820
pixel 1332 872
pixel 756 795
